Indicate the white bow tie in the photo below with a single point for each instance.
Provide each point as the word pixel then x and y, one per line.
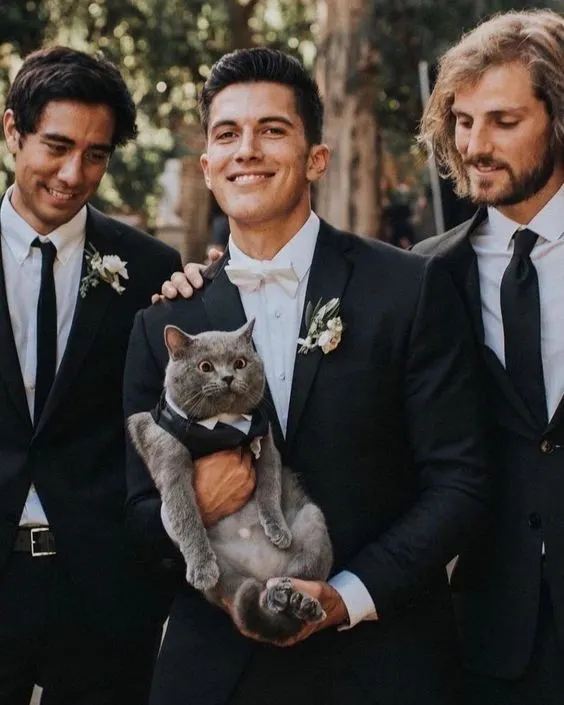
pixel 252 276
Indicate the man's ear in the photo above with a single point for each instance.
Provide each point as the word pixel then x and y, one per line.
pixel 317 162
pixel 204 162
pixel 10 132
pixel 177 342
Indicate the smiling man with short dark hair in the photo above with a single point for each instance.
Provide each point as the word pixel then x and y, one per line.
pixel 79 615
pixel 382 423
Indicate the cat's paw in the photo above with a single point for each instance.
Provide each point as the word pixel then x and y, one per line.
pixel 204 574
pixel 276 597
pixel 279 535
pixel 280 596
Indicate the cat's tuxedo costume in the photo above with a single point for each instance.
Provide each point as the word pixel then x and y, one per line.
pixel 75 459
pixel 384 432
pixel 500 580
pixel 202 441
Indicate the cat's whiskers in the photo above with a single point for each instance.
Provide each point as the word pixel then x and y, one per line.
pixel 251 397
pixel 189 400
pixel 197 406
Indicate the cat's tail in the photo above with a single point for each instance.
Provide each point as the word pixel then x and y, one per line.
pixel 276 611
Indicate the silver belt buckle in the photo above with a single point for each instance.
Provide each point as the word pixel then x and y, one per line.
pixel 33 532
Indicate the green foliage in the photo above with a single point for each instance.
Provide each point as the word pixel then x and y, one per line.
pixel 404 32
pixel 165 49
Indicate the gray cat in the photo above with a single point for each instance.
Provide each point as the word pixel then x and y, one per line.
pixel 279 532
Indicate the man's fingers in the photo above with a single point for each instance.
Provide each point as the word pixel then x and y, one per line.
pixel 252 477
pixel 192 272
pixel 182 285
pixel 213 255
pixel 168 290
pixel 155 298
pixel 308 587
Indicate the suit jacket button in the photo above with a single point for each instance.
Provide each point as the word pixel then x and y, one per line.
pixel 547 446
pixel 534 521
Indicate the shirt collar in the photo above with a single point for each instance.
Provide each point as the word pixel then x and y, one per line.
pixel 297 252
pixel 548 223
pixel 19 234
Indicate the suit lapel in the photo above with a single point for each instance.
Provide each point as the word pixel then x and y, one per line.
pixel 557 421
pixel 89 313
pixel 10 370
pixel 329 274
pixel 225 311
pixel 463 265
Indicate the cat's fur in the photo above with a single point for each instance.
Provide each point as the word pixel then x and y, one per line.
pixel 279 532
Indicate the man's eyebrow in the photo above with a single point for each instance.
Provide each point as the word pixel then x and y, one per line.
pixel 62 139
pixel 277 118
pixel 494 113
pixel 266 119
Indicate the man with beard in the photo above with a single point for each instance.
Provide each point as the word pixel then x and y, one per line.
pixel 495 124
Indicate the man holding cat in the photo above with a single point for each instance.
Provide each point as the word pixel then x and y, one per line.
pixel 380 421
pixel 76 612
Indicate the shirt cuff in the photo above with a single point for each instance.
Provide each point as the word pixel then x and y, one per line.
pixel 167 526
pixel 356 597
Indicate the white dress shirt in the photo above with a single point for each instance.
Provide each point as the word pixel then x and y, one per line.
pixel 493 245
pixel 22 272
pixel 278 318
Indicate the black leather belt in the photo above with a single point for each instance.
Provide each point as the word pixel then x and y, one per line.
pixel 38 540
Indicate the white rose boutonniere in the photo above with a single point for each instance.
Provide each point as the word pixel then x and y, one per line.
pixel 106 268
pixel 324 327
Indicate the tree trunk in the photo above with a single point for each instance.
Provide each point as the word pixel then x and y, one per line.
pixel 349 195
pixel 239 16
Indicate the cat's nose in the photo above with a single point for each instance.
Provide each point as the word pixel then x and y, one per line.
pixel 228 379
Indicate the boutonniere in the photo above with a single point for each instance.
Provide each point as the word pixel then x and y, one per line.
pixel 324 327
pixel 106 268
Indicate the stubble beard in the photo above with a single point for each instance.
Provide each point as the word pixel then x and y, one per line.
pixel 521 187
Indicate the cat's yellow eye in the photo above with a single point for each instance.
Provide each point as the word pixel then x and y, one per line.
pixel 205 366
pixel 240 363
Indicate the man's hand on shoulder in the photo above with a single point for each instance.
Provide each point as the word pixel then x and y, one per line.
pixel 187 281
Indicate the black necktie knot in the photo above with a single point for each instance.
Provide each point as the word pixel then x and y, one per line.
pixel 48 250
pixel 524 242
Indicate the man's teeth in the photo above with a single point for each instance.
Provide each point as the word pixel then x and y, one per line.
pixel 250 178
pixel 61 195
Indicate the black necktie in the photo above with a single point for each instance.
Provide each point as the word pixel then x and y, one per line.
pixel 46 328
pixel 520 310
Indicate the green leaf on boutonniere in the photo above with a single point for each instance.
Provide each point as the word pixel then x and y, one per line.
pixel 308 314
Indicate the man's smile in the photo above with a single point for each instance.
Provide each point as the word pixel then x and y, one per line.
pixel 60 195
pixel 250 177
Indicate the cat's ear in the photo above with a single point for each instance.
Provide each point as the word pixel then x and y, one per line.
pixel 176 341
pixel 246 331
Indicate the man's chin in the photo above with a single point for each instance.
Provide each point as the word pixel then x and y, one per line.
pixel 488 195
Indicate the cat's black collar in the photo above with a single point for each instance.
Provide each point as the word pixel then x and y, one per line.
pixel 202 441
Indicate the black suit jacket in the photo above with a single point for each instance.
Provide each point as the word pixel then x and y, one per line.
pixel 75 455
pixel 497 581
pixel 385 434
